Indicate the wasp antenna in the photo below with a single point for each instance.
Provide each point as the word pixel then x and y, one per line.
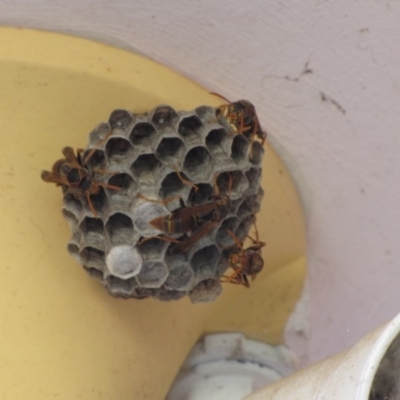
pixel 220 96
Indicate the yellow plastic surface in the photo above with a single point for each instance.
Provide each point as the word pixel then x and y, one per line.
pixel 61 335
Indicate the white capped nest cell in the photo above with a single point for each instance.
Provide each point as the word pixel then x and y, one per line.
pixel 116 168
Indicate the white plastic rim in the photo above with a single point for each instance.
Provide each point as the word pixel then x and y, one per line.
pixel 347 375
pixel 229 366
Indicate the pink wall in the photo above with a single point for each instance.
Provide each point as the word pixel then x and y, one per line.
pixel 325 77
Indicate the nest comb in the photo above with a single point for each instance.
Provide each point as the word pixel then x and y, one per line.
pixel 139 167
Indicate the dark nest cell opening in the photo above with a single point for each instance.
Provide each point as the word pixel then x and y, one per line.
pixel 153 274
pixel 73 249
pixel 69 216
pixel 248 206
pixel 92 225
pixel 123 181
pixel 190 128
pixel 179 273
pixel 72 203
pixel 203 195
pixel 253 176
pixel 146 166
pixel 94 273
pixel 240 146
pixel 231 183
pixel 99 201
pixel 256 153
pixel 206 113
pixel 205 260
pixel 244 228
pixel 198 163
pixel 172 185
pixel 91 255
pixel 152 249
pixel 170 150
pixel 127 285
pixel 142 134
pixel 215 140
pixel 120 291
pixel 117 149
pixel 120 119
pixel 100 133
pixel 119 228
pixel 224 262
pixel 94 160
pixel 223 238
pixel 93 231
pixel 163 116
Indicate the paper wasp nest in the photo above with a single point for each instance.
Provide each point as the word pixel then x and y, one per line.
pixel 159 156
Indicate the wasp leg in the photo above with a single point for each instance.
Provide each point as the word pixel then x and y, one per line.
pixel 185 181
pixel 160 237
pixel 165 201
pixel 106 185
pixel 239 280
pixel 91 205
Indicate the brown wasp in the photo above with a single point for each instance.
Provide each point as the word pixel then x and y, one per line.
pixel 73 174
pixel 242 116
pixel 245 262
pixel 202 229
pixel 198 220
pixel 186 219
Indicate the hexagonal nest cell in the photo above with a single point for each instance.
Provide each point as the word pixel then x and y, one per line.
pixel 158 202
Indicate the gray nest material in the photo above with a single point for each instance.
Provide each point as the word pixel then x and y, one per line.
pixel 140 167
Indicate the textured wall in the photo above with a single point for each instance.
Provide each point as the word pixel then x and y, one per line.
pixel 325 78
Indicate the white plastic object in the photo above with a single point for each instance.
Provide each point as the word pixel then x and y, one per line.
pixel 229 366
pixel 368 371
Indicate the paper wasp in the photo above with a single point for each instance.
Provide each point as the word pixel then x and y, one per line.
pixel 246 262
pixel 186 219
pixel 197 220
pixel 242 116
pixel 183 245
pixel 73 174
